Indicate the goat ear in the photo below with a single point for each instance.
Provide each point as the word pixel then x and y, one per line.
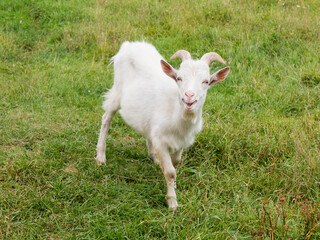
pixel 167 69
pixel 219 75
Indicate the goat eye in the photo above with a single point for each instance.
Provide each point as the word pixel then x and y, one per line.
pixel 179 79
pixel 205 82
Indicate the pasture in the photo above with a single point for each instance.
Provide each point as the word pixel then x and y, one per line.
pixel 252 173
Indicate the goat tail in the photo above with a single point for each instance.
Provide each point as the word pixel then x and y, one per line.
pixel 112 99
pixel 120 65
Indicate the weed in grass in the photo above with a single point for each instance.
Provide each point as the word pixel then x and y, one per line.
pixel 285 216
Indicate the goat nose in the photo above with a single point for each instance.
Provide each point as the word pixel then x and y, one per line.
pixel 189 94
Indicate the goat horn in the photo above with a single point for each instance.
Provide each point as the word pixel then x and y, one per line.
pixel 183 54
pixel 212 56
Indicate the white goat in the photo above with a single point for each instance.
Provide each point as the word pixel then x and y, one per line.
pixel 167 112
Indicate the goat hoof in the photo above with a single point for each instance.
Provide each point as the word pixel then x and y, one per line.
pixel 100 163
pixel 101 160
pixel 172 203
pixel 174 209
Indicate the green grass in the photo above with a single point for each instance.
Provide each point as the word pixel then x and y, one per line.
pixel 254 170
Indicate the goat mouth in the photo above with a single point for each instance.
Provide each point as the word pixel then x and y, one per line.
pixel 189 105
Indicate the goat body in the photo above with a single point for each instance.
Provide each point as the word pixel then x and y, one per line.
pixel 163 104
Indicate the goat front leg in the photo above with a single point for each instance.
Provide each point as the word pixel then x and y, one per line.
pixel 101 146
pixel 170 175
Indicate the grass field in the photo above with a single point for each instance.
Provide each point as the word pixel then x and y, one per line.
pixel 254 170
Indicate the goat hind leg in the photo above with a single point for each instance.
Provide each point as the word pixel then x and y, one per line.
pixel 111 105
pixel 101 146
pixel 151 152
pixel 176 158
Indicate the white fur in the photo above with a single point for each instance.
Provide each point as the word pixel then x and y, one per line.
pixel 152 102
